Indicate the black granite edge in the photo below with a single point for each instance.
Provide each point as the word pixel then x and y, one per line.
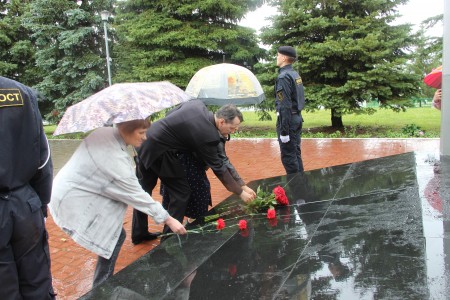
pixel 269 182
pixel 384 229
pixel 152 261
pixel 196 248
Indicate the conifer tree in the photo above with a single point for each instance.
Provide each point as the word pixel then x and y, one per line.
pixel 171 40
pixel 70 52
pixel 427 53
pixel 349 52
pixel 16 49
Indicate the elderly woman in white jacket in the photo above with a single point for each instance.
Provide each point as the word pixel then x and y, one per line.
pixel 92 191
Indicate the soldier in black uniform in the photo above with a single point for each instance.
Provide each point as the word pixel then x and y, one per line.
pixel 26 175
pixel 289 102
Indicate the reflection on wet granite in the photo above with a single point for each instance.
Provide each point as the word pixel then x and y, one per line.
pixel 357 231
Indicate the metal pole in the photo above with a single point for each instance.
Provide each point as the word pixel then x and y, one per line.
pixel 107 53
pixel 445 104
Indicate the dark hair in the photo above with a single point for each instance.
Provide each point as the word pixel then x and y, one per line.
pixel 130 126
pixel 228 112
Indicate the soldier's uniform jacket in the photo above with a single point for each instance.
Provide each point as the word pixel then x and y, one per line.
pixel 24 154
pixel 289 96
pixel 26 175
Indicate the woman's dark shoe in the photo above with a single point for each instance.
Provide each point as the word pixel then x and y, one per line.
pixel 148 237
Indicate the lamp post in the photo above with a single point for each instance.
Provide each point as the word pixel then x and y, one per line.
pixel 105 15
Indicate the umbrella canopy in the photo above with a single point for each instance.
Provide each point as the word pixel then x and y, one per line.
pixel 118 103
pixel 225 83
pixel 434 78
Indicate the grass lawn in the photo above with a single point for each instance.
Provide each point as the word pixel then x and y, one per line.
pixel 384 123
pixel 415 122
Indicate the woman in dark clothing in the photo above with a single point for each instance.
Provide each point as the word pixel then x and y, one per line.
pixel 198 181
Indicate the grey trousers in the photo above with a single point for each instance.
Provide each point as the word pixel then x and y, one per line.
pixel 105 267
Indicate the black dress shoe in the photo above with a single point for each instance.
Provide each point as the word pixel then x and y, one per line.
pixel 148 237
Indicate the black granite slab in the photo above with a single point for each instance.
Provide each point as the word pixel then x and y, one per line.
pixel 367 230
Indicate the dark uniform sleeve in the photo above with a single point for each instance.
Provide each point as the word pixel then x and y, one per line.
pixel 25 153
pixel 283 97
pixel 42 181
pixel 42 184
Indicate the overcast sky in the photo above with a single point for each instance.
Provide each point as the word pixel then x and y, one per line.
pixel 414 12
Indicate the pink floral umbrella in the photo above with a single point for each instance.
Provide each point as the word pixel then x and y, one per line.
pixel 119 103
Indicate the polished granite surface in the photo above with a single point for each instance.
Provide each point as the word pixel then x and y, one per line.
pixel 377 229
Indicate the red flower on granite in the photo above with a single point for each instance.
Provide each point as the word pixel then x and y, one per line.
pixel 242 224
pixel 273 222
pixel 220 224
pixel 271 213
pixel 280 195
pixel 245 232
pixel 232 269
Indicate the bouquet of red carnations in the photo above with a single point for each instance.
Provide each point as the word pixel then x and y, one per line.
pixel 266 200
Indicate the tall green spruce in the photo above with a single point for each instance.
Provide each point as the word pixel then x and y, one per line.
pixel 16 49
pixel 427 53
pixel 171 40
pixel 348 51
pixel 70 49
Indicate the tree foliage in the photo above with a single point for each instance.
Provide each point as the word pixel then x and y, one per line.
pixel 427 53
pixel 349 52
pixel 171 40
pixel 16 49
pixel 69 47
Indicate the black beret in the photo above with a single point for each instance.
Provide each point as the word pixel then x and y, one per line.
pixel 288 51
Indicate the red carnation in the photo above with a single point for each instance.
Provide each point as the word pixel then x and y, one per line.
pixel 220 224
pixel 232 269
pixel 273 222
pixel 283 200
pixel 271 213
pixel 242 224
pixel 280 195
pixel 245 232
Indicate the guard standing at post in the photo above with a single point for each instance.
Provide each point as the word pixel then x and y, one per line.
pixel 289 102
pixel 26 175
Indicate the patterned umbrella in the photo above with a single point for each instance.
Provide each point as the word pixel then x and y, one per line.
pixel 225 83
pixel 434 78
pixel 119 103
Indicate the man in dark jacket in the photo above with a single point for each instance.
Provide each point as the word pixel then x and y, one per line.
pixel 26 174
pixel 197 178
pixel 289 102
pixel 188 128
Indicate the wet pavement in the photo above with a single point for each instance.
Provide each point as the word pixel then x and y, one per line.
pixel 348 205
